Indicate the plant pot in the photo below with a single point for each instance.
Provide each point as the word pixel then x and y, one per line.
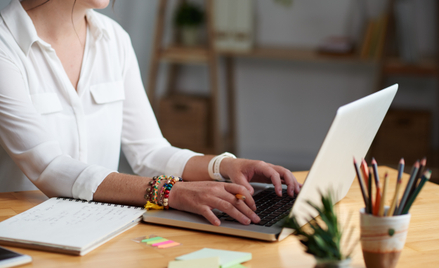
pixel 325 263
pixel 190 35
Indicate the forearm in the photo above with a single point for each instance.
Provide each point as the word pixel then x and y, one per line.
pixel 122 189
pixel 196 168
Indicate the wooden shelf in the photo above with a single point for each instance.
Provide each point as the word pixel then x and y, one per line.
pixel 177 54
pixel 295 54
pixel 425 67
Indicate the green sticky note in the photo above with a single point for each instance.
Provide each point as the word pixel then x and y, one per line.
pixel 152 239
pixel 156 241
pixel 228 258
pixel 212 262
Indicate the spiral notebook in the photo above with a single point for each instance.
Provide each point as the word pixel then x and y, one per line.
pixel 67 225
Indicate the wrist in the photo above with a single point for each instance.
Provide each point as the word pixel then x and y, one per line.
pixel 214 167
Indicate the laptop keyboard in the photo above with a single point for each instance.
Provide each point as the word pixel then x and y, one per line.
pixel 270 207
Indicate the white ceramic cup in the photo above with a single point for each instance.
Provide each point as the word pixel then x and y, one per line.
pixel 382 238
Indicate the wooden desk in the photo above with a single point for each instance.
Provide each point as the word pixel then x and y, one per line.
pixel 421 249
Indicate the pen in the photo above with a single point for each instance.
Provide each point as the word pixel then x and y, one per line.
pixel 240 196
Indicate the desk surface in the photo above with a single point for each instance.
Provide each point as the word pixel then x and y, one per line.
pixel 421 248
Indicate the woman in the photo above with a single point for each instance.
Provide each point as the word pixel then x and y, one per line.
pixel 71 95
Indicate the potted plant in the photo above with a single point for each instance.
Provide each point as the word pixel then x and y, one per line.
pixel 188 20
pixel 322 236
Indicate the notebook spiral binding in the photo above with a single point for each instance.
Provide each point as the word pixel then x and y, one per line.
pixel 97 203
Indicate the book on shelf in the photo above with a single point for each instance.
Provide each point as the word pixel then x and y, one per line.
pixel 233 24
pixel 68 225
pixel 374 38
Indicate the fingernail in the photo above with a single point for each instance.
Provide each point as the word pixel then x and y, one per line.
pixel 247 221
pixel 256 218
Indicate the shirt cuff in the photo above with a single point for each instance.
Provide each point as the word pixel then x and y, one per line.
pixel 177 162
pixel 88 181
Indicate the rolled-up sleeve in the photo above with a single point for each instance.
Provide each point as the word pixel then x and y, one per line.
pixel 147 151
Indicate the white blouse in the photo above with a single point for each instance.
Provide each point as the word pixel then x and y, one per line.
pixel 66 141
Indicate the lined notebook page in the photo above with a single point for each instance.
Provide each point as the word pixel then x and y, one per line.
pixel 67 222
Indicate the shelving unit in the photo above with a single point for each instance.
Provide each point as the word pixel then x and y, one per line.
pixel 391 65
pixel 176 56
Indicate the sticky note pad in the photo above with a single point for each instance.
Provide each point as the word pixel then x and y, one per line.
pixel 156 241
pixel 228 258
pixel 212 262
pixel 151 239
pixel 162 243
pixel 173 244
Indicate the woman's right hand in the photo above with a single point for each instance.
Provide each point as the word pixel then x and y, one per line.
pixel 203 196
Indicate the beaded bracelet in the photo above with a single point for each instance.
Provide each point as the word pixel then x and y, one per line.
pixel 151 193
pixel 156 200
pixel 167 189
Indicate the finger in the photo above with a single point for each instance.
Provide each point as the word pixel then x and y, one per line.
pixel 207 213
pixel 235 189
pixel 237 209
pixel 242 180
pixel 274 176
pixel 289 180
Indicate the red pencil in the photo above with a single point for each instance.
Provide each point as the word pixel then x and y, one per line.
pixel 365 171
pixel 376 207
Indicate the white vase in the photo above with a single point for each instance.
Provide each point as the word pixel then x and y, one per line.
pixel 324 263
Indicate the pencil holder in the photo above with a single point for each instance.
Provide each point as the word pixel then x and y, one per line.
pixel 382 238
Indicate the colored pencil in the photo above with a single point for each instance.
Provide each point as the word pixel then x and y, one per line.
pixel 418 176
pixel 391 210
pixel 365 171
pixel 424 179
pixel 383 198
pixel 369 189
pixel 400 168
pixel 362 186
pixel 376 207
pixel 408 187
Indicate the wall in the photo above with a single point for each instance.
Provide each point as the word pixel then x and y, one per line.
pixel 285 108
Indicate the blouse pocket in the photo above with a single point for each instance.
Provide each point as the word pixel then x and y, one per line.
pixel 108 92
pixel 46 103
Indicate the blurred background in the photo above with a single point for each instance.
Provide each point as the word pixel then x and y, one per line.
pixel 263 78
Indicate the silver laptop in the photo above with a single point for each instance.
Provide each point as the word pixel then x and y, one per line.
pixel 350 135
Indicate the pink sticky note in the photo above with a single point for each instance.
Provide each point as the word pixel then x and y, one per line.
pixel 173 244
pixel 162 243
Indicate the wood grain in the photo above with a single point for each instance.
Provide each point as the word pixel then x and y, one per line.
pixel 421 249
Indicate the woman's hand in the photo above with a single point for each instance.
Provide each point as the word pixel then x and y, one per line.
pixel 242 171
pixel 203 196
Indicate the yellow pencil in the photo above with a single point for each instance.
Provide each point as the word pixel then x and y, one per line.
pixel 383 198
pixel 395 199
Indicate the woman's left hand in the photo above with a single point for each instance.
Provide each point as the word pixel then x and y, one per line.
pixel 242 171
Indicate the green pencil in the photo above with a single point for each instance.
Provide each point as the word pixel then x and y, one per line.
pixel 424 179
pixel 407 188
